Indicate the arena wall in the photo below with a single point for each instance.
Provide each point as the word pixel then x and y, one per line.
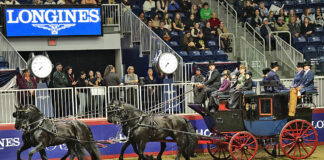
pixel 10 139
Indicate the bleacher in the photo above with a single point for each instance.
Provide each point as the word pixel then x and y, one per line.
pixel 3 63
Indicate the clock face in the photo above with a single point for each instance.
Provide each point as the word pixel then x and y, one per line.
pixel 168 63
pixel 41 66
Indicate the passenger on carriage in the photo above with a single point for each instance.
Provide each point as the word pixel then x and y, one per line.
pixel 307 82
pixel 197 79
pixel 211 83
pixel 236 93
pixel 273 76
pixel 265 72
pixel 225 86
pixel 299 75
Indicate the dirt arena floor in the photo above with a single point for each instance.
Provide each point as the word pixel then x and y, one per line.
pixel 261 155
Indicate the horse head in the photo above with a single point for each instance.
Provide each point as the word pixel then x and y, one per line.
pixel 114 111
pixel 26 114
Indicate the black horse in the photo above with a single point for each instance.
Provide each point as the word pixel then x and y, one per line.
pixel 141 128
pixel 40 133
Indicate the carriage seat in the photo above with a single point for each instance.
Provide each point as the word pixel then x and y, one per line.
pixel 311 92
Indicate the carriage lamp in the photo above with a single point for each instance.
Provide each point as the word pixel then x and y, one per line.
pixel 247 106
pixel 253 106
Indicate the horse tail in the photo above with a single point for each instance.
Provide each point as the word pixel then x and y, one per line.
pixel 191 140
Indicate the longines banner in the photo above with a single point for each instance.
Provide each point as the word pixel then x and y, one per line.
pixel 43 21
pixel 10 139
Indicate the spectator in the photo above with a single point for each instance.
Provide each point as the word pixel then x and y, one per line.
pixel 292 14
pixel 265 32
pixel 282 15
pixel 88 2
pixel 186 6
pixel 205 13
pixel 149 6
pixel 173 7
pixel 306 28
pixel 27 82
pixel 59 78
pixel 151 90
pixel 156 21
pixel 167 22
pixel 91 78
pixel 163 33
pixel 214 21
pixel 190 22
pixel 319 17
pixel 49 2
pixel 98 80
pixel 142 17
pixel 187 42
pixel 271 19
pixel 39 2
pixel 264 12
pixel 200 41
pixel 307 13
pixel 149 79
pixel 110 76
pixel 281 25
pixel 99 2
pixel 12 2
pixel 247 12
pixel 257 20
pixel 150 25
pixel 72 2
pixel 82 93
pixel 294 28
pixel 131 79
pixel 177 23
pixel 61 2
pixel 99 97
pixel 209 32
pixel 126 3
pixel 195 11
pixel 197 79
pixel 198 3
pixel 225 41
pixel 162 6
pixel 70 77
pixel 195 31
pixel 239 7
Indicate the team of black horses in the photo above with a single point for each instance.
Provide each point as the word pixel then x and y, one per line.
pixel 139 128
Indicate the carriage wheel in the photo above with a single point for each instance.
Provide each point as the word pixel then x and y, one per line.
pixel 219 149
pixel 298 139
pixel 274 150
pixel 243 145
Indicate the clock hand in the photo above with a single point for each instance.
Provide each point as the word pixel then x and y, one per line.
pixel 167 64
pixel 40 68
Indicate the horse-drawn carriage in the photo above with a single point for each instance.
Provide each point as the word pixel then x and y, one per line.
pixel 261 122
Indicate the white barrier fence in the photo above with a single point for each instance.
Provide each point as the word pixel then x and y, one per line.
pixel 92 102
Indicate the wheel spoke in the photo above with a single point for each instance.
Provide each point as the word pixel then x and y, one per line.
pixel 237 155
pixel 291 139
pixel 250 143
pixel 290 134
pixel 248 139
pixel 307 135
pixel 246 156
pixel 249 152
pixel 301 128
pixel 302 144
pixel 288 144
pixel 242 156
pixel 305 130
pixel 309 140
pixel 295 151
pixel 290 149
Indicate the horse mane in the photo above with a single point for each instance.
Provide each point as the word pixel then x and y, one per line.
pixel 34 108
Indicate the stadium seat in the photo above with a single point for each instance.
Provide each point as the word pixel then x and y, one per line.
pixel 266 4
pixel 299 42
pixel 2 59
pixel 220 55
pixel 174 35
pixel 319 31
pixel 312 10
pixel 185 56
pixel 207 54
pixel 171 15
pixel 174 45
pixel 313 3
pixel 310 52
pixel 212 45
pixel 194 53
pixel 320 51
pixel 136 9
pixel 289 4
pixel 148 15
pixel 299 11
pixel 322 9
pixel 314 40
pixel 195 56
pixel 300 3
pixel 277 3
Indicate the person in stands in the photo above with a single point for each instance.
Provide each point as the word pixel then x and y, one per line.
pixel 131 79
pixel 163 33
pixel 187 42
pixel 70 77
pixel 177 23
pixel 195 31
pixel 209 32
pixel 149 6
pixel 225 40
pixel 306 28
pixel 214 21
pixel 151 95
pixel 27 82
pixel 82 93
pixel 91 78
pixel 89 2
pixel 112 79
pixel 162 6
pixel 173 7
pixel 60 81
pixel 205 13
pixel 190 24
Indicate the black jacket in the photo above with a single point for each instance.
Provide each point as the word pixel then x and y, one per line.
pixel 214 81
pixel 247 84
pixel 112 79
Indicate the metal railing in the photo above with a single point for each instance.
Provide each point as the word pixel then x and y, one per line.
pixel 92 102
pixel 285 54
pixel 257 38
pixel 149 41
pixel 10 54
pixel 277 33
pixel 255 59
pixel 233 39
pixel 111 15
pixel 229 11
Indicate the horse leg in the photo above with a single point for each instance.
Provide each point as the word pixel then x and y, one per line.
pixel 135 147
pixel 39 147
pixel 23 148
pixel 93 150
pixel 141 148
pixel 121 156
pixel 163 146
pixel 180 144
pixel 43 154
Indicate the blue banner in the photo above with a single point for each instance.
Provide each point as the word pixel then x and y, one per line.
pixel 38 22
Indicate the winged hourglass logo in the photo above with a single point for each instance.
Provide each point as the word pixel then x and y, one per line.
pixel 54 28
